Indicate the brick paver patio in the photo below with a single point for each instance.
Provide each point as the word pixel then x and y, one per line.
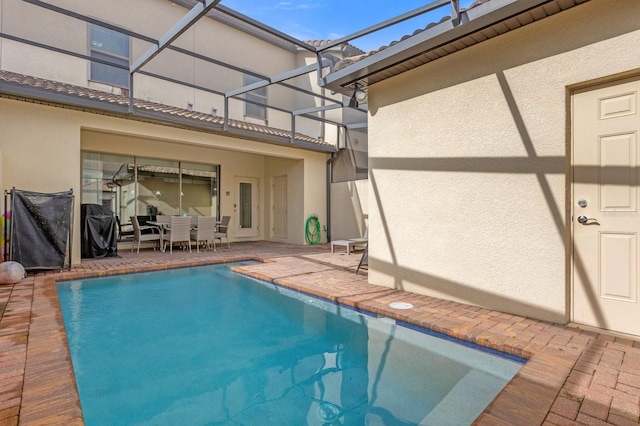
pixel 572 376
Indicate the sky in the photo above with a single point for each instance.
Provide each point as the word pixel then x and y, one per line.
pixel 333 19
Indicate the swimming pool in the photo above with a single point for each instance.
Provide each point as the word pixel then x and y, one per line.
pixel 206 346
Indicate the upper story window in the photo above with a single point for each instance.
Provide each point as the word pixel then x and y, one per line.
pixel 257 95
pixel 112 46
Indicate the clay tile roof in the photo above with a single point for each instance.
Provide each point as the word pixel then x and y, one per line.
pixel 320 43
pixel 317 43
pixel 140 104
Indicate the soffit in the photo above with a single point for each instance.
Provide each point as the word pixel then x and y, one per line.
pixel 484 20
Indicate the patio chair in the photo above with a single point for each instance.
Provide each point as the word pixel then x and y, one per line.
pixel 351 243
pixel 364 260
pixel 179 230
pixel 140 233
pixel 222 231
pixel 124 234
pixel 204 232
pixel 362 240
pixel 143 219
pixel 161 218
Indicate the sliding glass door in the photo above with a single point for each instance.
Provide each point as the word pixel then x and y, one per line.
pixel 158 187
pixel 199 189
pixel 147 186
pixel 108 180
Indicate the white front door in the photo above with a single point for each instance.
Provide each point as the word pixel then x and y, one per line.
pixel 247 207
pixel 605 216
pixel 280 201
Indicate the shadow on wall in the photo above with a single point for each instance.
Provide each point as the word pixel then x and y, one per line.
pixel 474 295
pixel 569 30
pixel 540 166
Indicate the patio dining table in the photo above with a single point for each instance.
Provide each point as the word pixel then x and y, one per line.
pixel 155 223
pixel 162 226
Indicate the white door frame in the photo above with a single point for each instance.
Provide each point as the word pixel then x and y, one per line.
pixel 254 229
pixel 603 291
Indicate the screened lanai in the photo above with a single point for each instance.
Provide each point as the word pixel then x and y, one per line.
pixel 278 102
pixel 284 103
pixel 205 68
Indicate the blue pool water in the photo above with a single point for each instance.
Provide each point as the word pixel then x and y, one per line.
pixel 204 346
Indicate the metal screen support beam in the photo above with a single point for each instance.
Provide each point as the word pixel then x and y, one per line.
pixel 316 109
pixel 197 12
pixel 272 80
pixel 131 98
pixel 244 71
pixel 382 25
pixel 455 12
pixel 265 28
pixel 294 73
pixel 319 75
pixel 225 127
pixel 247 88
pixel 293 128
pixel 356 126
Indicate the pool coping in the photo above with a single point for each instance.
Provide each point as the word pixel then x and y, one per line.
pixel 39 385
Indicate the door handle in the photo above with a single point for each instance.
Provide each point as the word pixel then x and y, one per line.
pixel 586 220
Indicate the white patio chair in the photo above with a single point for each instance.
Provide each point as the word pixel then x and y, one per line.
pixel 179 230
pixel 139 235
pixel 162 218
pixel 204 232
pixel 222 231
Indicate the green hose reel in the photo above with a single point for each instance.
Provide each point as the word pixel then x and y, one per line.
pixel 312 233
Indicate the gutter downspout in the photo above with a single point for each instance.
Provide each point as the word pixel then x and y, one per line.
pixel 329 173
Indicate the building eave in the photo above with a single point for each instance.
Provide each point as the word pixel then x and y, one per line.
pixel 441 39
pixel 120 109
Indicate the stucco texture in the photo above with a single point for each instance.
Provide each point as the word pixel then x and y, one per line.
pixel 469 164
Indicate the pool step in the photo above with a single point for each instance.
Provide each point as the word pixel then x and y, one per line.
pixel 468 398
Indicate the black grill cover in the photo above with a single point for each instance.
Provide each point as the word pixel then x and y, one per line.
pixel 41 229
pixel 98 229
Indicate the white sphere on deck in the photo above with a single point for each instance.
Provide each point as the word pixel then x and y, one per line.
pixel 11 272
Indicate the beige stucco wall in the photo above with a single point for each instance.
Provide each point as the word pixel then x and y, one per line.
pixel 469 171
pixel 42 145
pixel 315 190
pixel 41 151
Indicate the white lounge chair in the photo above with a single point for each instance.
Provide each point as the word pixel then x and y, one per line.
pixel 351 243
